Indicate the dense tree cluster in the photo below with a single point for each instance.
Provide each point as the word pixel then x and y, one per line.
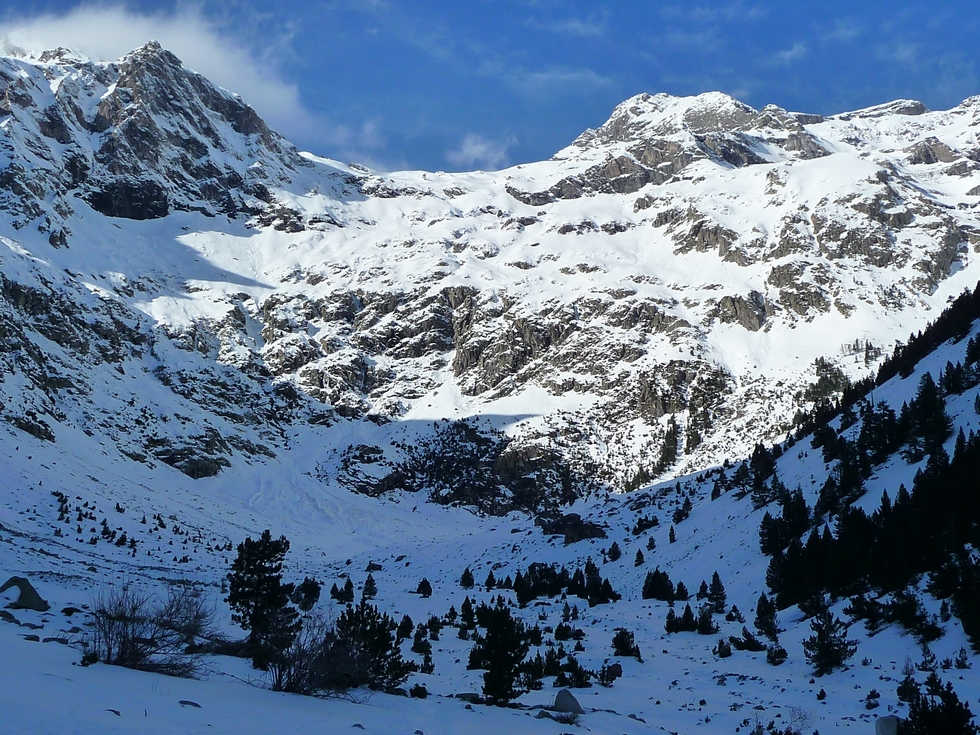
pixel 953 323
pixel 658 586
pixel 936 710
pixel 304 653
pixel 549 580
pixel 501 651
pixel 916 533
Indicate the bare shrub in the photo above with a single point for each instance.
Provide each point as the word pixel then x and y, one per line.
pixel 132 628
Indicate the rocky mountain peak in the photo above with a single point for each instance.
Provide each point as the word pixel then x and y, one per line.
pixel 654 138
pixel 136 138
pixel 910 108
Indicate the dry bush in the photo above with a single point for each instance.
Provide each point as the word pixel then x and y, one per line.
pixel 133 628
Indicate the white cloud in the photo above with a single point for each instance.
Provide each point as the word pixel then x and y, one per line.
pixel 477 151
pixel 107 32
pixel 587 28
pixel 797 51
pixel 844 30
pixel 734 11
pixel 904 53
pixel 557 81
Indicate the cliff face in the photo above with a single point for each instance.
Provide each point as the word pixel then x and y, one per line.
pixel 179 281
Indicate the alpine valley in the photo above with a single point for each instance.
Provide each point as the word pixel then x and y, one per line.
pixel 702 342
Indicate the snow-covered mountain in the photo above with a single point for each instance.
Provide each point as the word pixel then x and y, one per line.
pixel 201 325
pixel 687 261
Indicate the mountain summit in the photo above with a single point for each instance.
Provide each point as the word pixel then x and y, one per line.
pixel 662 289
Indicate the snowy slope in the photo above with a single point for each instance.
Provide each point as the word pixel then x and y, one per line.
pixel 338 534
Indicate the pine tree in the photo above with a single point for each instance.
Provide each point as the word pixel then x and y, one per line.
pixel 688 622
pixel 705 624
pixel 306 594
pixel 638 559
pixel 365 635
pixel 614 552
pixel 420 643
pixel 672 535
pixel 424 589
pixel 347 593
pixel 681 593
pixel 930 422
pixel 717 597
pixel 501 651
pixel 370 588
pixel 467 618
pixel 828 648
pixel 491 581
pixel 259 600
pixel 466 580
pixel 702 591
pixel 624 644
pixel 405 628
pixel 765 618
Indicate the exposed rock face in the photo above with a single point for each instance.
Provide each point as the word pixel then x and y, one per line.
pixel 750 313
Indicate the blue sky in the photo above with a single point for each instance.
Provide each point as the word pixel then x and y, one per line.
pixel 489 83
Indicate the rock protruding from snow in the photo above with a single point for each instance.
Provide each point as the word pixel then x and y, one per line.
pixel 28 599
pixel 565 701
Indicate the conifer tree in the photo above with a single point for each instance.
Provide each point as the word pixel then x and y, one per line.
pixel 424 589
pixel 347 593
pixel 705 624
pixel 467 618
pixel 638 559
pixel 765 618
pixel 717 597
pixel 370 588
pixel 930 422
pixel 466 581
pixel 306 594
pixel 501 651
pixel 491 581
pixel 939 710
pixel 614 551
pixel 688 622
pixel 366 635
pixel 260 601
pixel 405 628
pixel 828 648
pixel 624 644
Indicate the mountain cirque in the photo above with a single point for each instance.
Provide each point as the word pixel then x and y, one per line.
pixel 182 284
